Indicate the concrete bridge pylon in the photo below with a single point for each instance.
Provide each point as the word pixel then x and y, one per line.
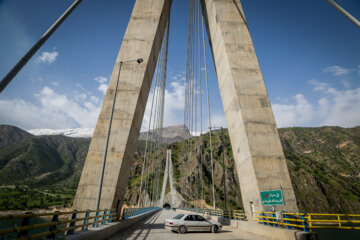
pixel 142 39
pixel 259 158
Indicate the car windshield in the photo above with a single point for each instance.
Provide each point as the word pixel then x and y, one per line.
pixel 178 216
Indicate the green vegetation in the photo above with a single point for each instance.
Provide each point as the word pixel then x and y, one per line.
pixel 28 198
pixel 324 166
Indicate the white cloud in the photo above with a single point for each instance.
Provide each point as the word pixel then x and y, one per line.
pixel 101 79
pixel 336 70
pixel 322 86
pixel 55 111
pixel 195 133
pixel 319 86
pixel 346 83
pixel 217 120
pixel 27 115
pixel 48 57
pixel 57 103
pixel 90 106
pixel 102 88
pixel 179 76
pixel 55 83
pixel 334 108
pixel 80 97
pixel 95 100
pixel 83 89
pixel 341 108
pixel 173 107
pixel 174 104
pixel 297 114
pixel 40 79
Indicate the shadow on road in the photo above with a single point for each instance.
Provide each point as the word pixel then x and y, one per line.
pixel 149 225
pixel 153 226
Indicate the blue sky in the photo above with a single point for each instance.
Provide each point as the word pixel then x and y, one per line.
pixel 308 53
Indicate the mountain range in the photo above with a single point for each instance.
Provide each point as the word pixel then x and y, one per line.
pixel 324 165
pixel 169 134
pixel 71 132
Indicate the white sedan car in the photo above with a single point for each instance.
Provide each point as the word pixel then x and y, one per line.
pixel 183 223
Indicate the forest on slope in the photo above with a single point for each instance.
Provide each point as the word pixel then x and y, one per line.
pixel 324 165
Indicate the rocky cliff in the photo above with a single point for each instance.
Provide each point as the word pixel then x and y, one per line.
pixel 324 165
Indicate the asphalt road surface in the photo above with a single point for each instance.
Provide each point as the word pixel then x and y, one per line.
pixel 153 229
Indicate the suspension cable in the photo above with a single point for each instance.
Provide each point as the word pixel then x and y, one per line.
pixel 154 134
pixel 200 93
pixel 161 112
pixel 155 128
pixel 146 144
pixel 209 115
pixel 160 116
pixel 193 98
pixel 196 101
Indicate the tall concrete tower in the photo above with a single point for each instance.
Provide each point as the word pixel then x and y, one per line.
pixel 260 162
pixel 142 39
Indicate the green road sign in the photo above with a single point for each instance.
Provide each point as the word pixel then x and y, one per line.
pixel 271 197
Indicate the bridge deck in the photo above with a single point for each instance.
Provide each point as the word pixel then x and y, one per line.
pixel 153 228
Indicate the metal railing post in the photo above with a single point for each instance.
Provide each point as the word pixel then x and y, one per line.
pixel 25 222
pixel 275 220
pixel 110 217
pixel 263 214
pixel 285 217
pixel 52 229
pixel 339 220
pixel 72 224
pixel 104 218
pixel 85 227
pixel 305 224
pixel 124 214
pixel 96 219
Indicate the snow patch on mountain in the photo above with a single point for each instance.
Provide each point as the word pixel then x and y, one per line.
pixel 170 134
pixel 76 132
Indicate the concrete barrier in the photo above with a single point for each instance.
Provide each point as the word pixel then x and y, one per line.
pixel 109 229
pixel 274 233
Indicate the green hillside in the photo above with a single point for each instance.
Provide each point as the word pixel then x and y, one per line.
pixel 324 165
pixel 44 160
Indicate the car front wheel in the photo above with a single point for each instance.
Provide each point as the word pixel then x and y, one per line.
pixel 182 229
pixel 214 229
